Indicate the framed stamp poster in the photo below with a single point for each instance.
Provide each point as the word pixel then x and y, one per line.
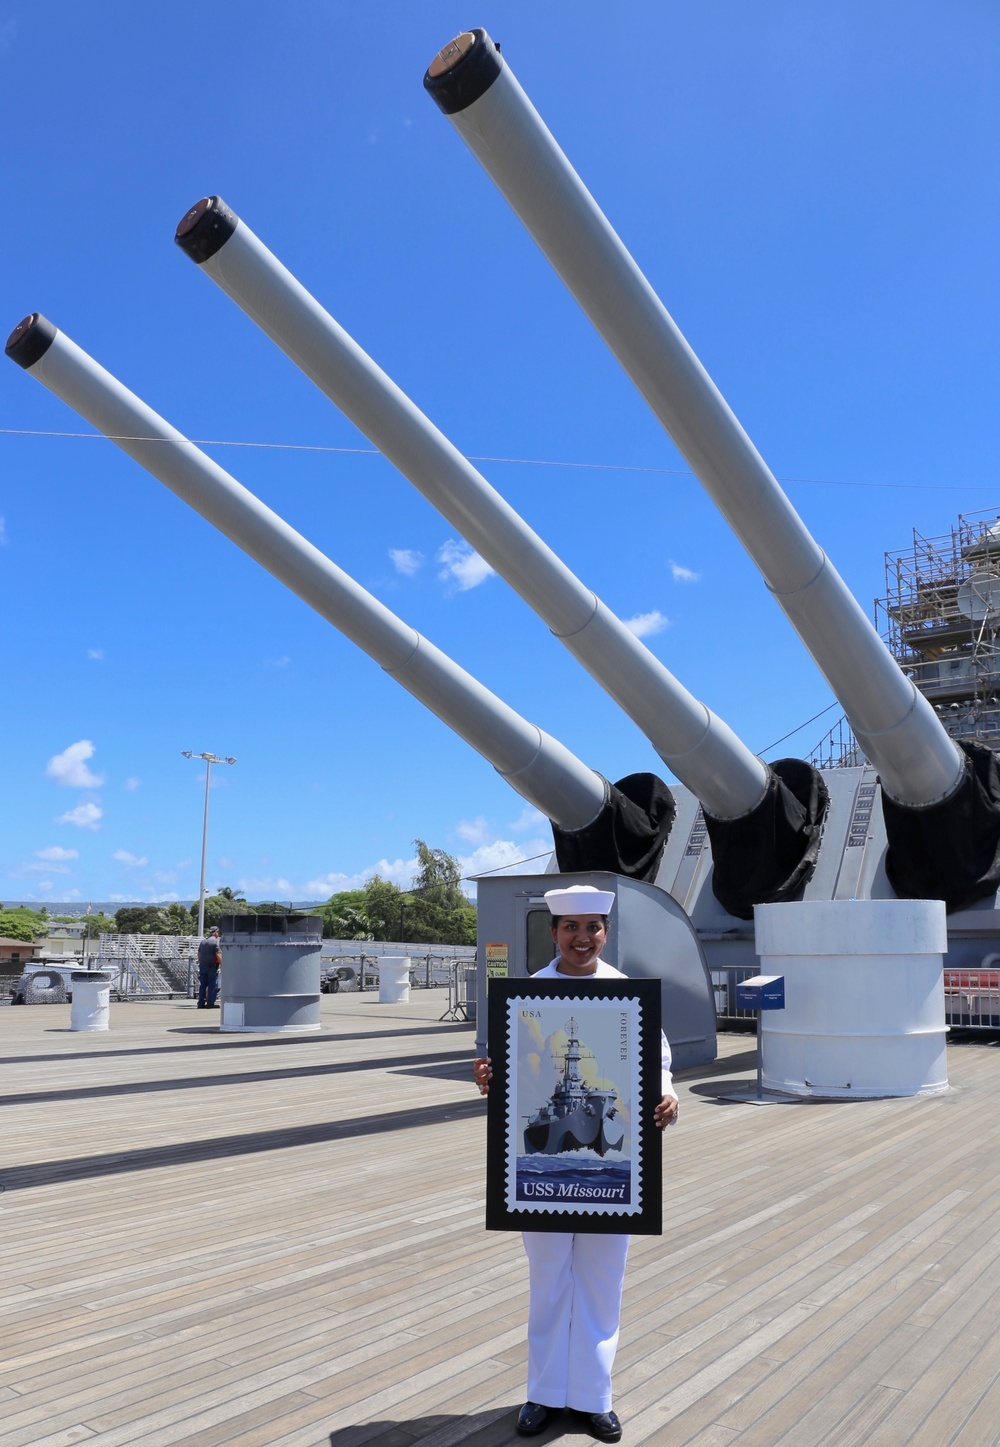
pixel 570 1139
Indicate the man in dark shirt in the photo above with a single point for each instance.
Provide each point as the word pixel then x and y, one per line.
pixel 209 960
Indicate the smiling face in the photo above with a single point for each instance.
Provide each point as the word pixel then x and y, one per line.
pixel 579 939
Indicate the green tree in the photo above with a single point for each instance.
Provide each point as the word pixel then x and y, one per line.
pixel 18 923
pixel 224 901
pixel 383 903
pixel 434 911
pixel 139 919
pixel 439 912
pixel 148 919
pixel 354 924
pixel 99 924
pixel 335 907
pixel 177 920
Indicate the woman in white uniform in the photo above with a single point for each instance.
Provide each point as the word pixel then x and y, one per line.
pixel 576 1278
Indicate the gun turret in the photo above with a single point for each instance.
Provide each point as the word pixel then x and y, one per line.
pixel 771 816
pixel 926 778
pixel 625 826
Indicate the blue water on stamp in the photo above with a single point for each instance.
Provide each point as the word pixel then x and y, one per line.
pixel 574 1178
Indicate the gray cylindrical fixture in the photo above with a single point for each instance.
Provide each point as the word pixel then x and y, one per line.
pixel 894 724
pixel 270 973
pixel 699 747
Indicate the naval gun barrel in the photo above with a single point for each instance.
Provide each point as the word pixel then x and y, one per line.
pixel 918 763
pixel 699 747
pixel 536 765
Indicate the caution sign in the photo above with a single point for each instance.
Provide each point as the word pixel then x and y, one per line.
pixel 496 962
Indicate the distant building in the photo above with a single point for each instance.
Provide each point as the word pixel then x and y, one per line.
pixel 17 952
pixel 63 939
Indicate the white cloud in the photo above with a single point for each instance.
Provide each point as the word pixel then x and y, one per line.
pixel 84 816
pixel 503 856
pixel 281 662
pixel 683 575
pixel 406 561
pixel 95 652
pixel 644 625
pixel 47 868
pixel 57 852
pixel 328 884
pixel 70 767
pixel 529 818
pixel 473 831
pixel 268 887
pixel 398 871
pixel 460 565
pixel 131 861
pixel 131 784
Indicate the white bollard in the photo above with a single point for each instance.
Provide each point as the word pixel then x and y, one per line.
pixel 394 980
pixel 864 997
pixel 91 1005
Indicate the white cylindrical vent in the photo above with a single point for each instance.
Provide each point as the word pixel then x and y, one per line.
pixel 91 1007
pixel 394 980
pixel 864 997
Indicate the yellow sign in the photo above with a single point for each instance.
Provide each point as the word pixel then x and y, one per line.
pixel 496 962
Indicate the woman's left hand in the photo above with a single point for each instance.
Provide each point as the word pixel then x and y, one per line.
pixel 665 1113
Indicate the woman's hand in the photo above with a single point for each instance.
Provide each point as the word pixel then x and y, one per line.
pixel 665 1112
pixel 483 1072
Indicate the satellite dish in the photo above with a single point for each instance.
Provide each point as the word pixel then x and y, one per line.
pixel 979 596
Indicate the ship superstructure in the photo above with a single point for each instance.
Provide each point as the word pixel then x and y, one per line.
pixel 577 1116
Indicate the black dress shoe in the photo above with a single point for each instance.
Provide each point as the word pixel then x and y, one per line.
pixel 532 1419
pixel 605 1426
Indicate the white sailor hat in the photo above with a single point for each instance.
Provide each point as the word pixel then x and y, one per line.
pixel 580 899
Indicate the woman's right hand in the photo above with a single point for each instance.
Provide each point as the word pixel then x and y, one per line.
pixel 483 1073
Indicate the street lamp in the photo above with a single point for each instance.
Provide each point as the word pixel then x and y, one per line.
pixel 210 759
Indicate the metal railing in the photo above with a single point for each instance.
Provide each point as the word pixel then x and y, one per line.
pixel 430 969
pixel 461 991
pixel 972 999
pixel 724 982
pixel 147 967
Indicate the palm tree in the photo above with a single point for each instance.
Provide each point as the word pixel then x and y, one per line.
pixel 354 924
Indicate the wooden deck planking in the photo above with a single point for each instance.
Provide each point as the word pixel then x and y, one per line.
pixel 247 1242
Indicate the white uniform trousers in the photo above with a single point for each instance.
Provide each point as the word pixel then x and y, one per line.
pixel 574 1312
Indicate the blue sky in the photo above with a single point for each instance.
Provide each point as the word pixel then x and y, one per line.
pixel 812 190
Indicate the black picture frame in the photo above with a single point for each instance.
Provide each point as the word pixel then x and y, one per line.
pixel 598 1187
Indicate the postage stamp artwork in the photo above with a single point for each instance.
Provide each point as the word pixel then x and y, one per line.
pixel 573 1096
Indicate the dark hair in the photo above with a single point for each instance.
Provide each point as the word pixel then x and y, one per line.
pixel 557 917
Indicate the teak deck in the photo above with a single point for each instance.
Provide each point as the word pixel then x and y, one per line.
pixel 278 1242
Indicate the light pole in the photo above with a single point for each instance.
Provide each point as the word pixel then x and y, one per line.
pixel 210 759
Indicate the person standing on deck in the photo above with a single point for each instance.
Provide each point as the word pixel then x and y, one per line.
pixel 576 1278
pixel 209 960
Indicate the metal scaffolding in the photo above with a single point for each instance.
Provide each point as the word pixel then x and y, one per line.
pixel 940 618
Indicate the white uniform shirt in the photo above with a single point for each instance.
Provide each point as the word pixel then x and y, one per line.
pixel 608 972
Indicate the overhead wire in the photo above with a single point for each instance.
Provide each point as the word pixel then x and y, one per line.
pixel 509 461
